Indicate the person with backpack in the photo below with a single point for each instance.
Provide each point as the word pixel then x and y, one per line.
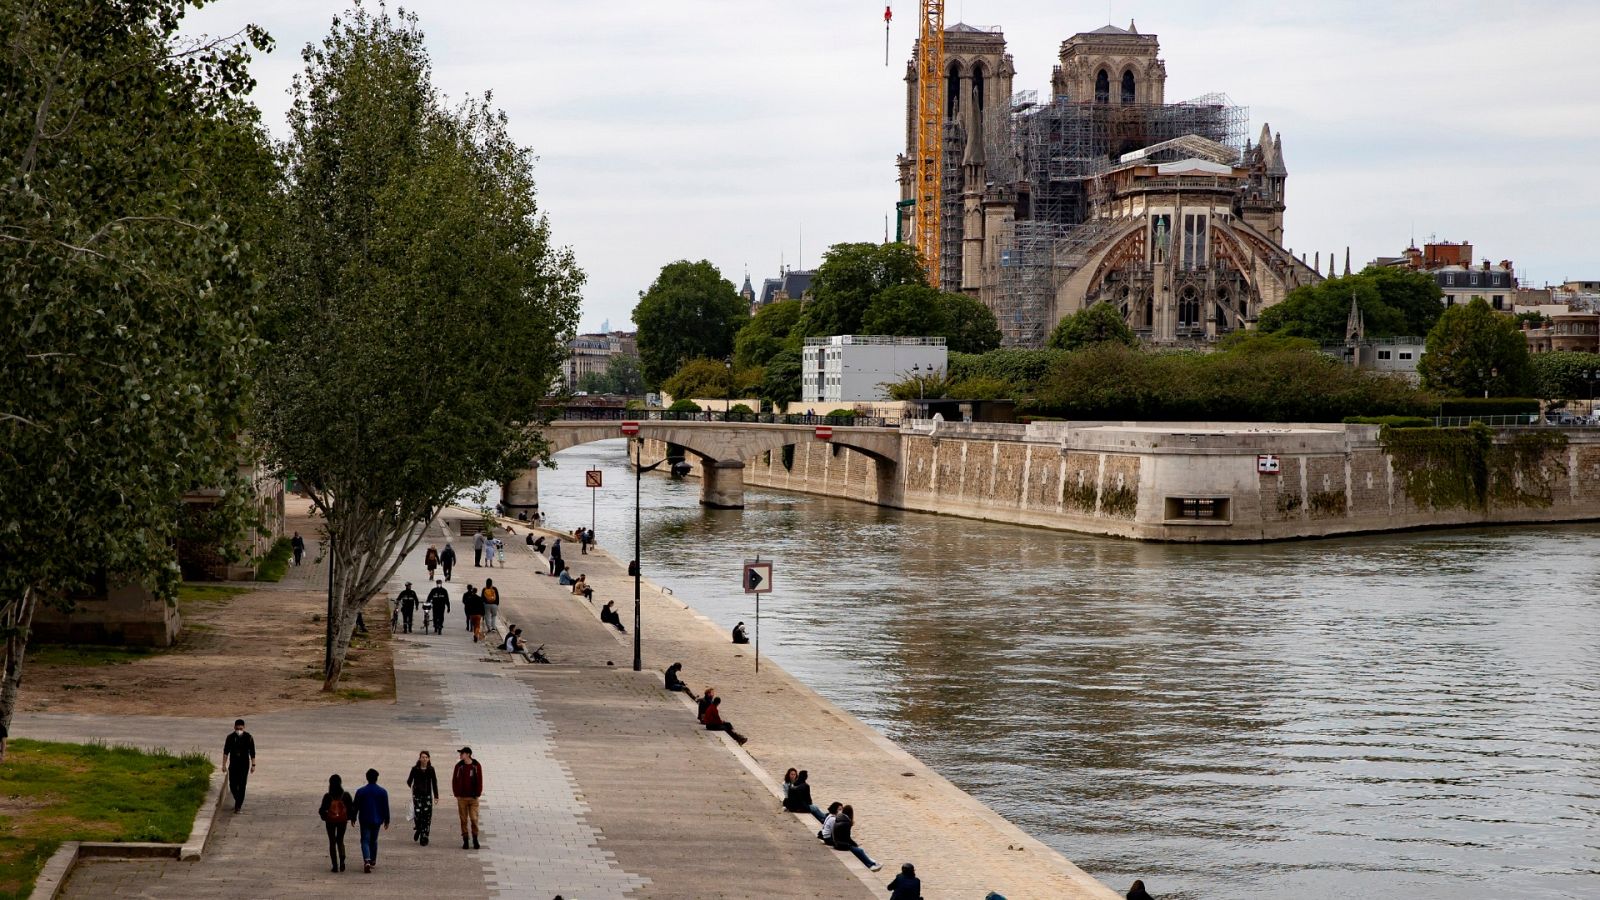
pixel 335 815
pixel 491 604
pixel 424 784
pixel 371 813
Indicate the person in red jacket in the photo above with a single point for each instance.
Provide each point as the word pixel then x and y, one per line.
pixel 711 716
pixel 467 784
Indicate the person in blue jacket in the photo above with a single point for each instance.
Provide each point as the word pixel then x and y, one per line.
pixel 372 812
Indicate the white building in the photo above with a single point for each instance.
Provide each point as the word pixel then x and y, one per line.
pixel 856 368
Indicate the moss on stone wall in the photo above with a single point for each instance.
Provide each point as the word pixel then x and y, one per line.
pixel 1328 504
pixel 1119 502
pixel 1465 468
pixel 1078 496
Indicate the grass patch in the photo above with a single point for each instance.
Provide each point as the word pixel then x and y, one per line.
pixel 355 693
pixel 190 594
pixel 276 562
pixel 51 793
pixel 85 655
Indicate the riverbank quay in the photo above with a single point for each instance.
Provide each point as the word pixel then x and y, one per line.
pixel 906 812
pixel 1195 482
pixel 594 787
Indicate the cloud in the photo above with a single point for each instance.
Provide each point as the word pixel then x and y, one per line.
pixel 719 129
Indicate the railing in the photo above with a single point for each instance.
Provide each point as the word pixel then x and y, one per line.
pixel 611 414
pixel 1525 420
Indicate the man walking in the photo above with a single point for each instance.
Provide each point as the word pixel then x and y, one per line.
pixel 447 560
pixel 467 784
pixel 298 545
pixel 439 598
pixel 491 604
pixel 372 812
pixel 477 549
pixel 472 605
pixel 408 607
pixel 238 761
pixel 555 557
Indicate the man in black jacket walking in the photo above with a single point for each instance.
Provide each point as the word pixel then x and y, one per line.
pixel 238 760
pixel 439 599
pixel 407 602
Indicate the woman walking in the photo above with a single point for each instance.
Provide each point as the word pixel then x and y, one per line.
pixel 337 805
pixel 431 560
pixel 424 783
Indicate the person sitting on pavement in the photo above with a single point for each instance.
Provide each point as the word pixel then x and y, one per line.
pixel 740 636
pixel 906 885
pixel 515 644
pixel 825 833
pixel 609 616
pixel 565 576
pixel 580 586
pixel 712 717
pixel 674 683
pixel 843 824
pixel 798 797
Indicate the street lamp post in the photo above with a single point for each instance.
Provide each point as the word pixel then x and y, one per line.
pixel 638 477
pixel 727 402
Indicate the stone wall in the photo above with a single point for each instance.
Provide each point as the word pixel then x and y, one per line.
pixel 1154 482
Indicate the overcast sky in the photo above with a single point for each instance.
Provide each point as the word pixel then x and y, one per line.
pixel 750 132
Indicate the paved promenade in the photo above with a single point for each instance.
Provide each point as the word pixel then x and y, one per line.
pixel 598 784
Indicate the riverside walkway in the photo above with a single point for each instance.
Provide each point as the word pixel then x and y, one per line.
pixel 598 782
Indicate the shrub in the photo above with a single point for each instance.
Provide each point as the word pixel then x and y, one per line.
pixel 842 414
pixel 742 408
pixel 684 405
pixel 1390 421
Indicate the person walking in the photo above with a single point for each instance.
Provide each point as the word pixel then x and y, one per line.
pixel 466 783
pixel 372 813
pixel 337 806
pixel 491 604
pixel 407 601
pixel 472 604
pixel 906 885
pixel 500 551
pixel 298 545
pixel 238 761
pixel 424 784
pixel 431 560
pixel 555 557
pixel 440 598
pixel 447 560
pixel 477 549
pixel 843 824
pixel 583 540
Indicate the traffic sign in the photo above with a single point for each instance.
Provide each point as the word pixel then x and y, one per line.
pixel 1268 464
pixel 757 576
pixel 824 432
pixel 591 478
pixel 629 429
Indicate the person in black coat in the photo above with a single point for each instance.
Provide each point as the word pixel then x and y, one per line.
pixel 424 784
pixel 798 799
pixel 408 603
pixel 439 599
pixel 447 560
pixel 238 761
pixel 675 683
pixel 843 825
pixel 906 885
pixel 335 812
pixel 1137 891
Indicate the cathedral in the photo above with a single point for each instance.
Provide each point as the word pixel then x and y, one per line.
pixel 1104 193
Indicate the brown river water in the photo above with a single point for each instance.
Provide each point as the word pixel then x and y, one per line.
pixel 1398 715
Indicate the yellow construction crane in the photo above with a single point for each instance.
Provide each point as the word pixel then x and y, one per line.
pixel 930 137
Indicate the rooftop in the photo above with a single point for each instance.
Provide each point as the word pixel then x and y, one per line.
pixel 841 340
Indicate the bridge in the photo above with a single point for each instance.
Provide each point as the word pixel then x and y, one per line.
pixel 720 442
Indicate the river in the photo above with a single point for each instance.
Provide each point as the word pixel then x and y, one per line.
pixel 1403 715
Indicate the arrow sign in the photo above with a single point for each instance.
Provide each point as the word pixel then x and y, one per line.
pixel 757 576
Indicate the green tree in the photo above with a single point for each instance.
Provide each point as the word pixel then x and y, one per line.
pixel 1101 323
pixel 1263 342
pixel 780 380
pixel 969 326
pixel 402 213
pixel 689 312
pixel 1392 302
pixel 706 379
pixel 133 179
pixel 1566 376
pixel 916 310
pixel 620 377
pixel 849 278
pixel 1474 349
pixel 769 331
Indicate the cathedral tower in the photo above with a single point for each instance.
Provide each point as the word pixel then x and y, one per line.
pixel 1111 65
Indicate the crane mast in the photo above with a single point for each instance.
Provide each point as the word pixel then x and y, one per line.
pixel 930 137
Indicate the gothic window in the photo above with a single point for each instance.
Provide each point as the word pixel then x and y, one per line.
pixel 952 91
pixel 1188 307
pixel 1194 241
pixel 1102 87
pixel 977 85
pixel 1127 87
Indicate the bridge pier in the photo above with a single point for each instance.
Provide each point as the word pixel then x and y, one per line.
pixel 722 484
pixel 521 494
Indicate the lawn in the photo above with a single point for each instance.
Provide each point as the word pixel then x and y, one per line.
pixel 276 562
pixel 51 793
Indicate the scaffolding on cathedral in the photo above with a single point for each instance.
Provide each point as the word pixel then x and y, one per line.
pixel 1053 152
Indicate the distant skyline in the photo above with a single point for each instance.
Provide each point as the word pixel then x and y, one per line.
pixel 726 131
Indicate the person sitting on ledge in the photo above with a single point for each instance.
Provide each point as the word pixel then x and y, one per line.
pixel 739 635
pixel 565 576
pixel 825 834
pixel 610 617
pixel 843 823
pixel 798 797
pixel 581 586
pixel 515 644
pixel 674 683
pixel 711 718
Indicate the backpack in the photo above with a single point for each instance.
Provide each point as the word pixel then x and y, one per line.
pixel 338 813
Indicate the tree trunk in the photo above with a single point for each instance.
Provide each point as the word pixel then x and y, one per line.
pixel 365 554
pixel 16 621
